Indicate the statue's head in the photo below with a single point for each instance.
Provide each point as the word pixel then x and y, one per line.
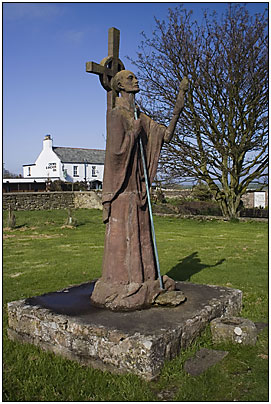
pixel 125 81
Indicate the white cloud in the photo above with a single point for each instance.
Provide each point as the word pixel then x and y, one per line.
pixel 73 35
pixel 18 11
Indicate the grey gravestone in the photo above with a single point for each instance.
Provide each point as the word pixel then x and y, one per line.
pixel 203 359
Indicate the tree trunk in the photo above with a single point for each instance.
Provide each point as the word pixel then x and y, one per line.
pixel 230 207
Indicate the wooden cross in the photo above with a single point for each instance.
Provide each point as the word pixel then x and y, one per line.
pixel 109 66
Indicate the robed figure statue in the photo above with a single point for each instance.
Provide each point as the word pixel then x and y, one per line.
pixel 129 276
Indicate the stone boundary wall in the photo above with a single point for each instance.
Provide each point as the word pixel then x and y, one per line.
pixel 84 199
pixel 88 200
pixel 52 200
pixel 248 198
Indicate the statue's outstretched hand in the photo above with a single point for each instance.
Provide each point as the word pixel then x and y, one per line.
pixel 180 98
pixel 184 84
pixel 179 105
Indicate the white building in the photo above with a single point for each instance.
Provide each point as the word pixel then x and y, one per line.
pixel 66 164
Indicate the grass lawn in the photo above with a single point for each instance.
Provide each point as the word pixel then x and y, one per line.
pixel 40 255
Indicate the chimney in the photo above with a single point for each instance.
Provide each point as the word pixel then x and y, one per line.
pixel 47 142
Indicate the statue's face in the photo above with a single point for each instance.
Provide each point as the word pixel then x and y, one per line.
pixel 128 82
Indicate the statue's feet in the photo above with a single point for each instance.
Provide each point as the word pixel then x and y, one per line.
pixel 133 296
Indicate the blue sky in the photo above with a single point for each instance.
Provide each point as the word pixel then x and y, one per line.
pixel 45 86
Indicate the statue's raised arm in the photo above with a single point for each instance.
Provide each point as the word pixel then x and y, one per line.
pixel 179 105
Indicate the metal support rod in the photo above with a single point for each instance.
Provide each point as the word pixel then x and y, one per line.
pixel 150 208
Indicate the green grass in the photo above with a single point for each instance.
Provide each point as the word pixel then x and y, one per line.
pixel 40 255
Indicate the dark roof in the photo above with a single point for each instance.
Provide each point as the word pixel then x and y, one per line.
pixel 77 155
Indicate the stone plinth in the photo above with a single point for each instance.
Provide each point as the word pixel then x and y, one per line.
pixel 139 342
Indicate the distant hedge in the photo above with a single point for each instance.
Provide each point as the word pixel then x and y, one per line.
pixel 188 207
pixel 59 185
pixel 206 208
pixel 254 212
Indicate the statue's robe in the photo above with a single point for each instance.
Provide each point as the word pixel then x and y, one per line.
pixel 129 276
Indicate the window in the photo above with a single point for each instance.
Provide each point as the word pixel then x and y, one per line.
pixel 94 171
pixel 29 171
pixel 75 171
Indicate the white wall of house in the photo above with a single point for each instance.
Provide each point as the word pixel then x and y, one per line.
pixel 73 172
pixel 49 165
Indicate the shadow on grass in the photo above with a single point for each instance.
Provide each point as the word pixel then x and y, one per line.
pixel 189 266
pixel 20 226
pixel 16 227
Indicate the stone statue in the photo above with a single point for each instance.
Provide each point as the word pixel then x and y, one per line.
pixel 129 276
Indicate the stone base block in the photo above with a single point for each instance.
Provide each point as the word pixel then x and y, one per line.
pixel 236 330
pixel 139 342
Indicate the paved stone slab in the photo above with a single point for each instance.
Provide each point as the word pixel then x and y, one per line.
pixel 66 323
pixel 203 359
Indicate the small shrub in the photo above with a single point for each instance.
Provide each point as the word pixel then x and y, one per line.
pixel 80 186
pixel 55 185
pixel 202 192
pixel 159 196
pixel 67 186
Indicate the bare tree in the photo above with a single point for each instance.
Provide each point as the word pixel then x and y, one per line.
pixel 8 174
pixel 222 134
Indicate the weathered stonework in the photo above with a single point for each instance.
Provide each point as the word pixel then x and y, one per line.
pixel 87 200
pixel 170 298
pixel 52 200
pixel 139 342
pixel 236 330
pixel 84 199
